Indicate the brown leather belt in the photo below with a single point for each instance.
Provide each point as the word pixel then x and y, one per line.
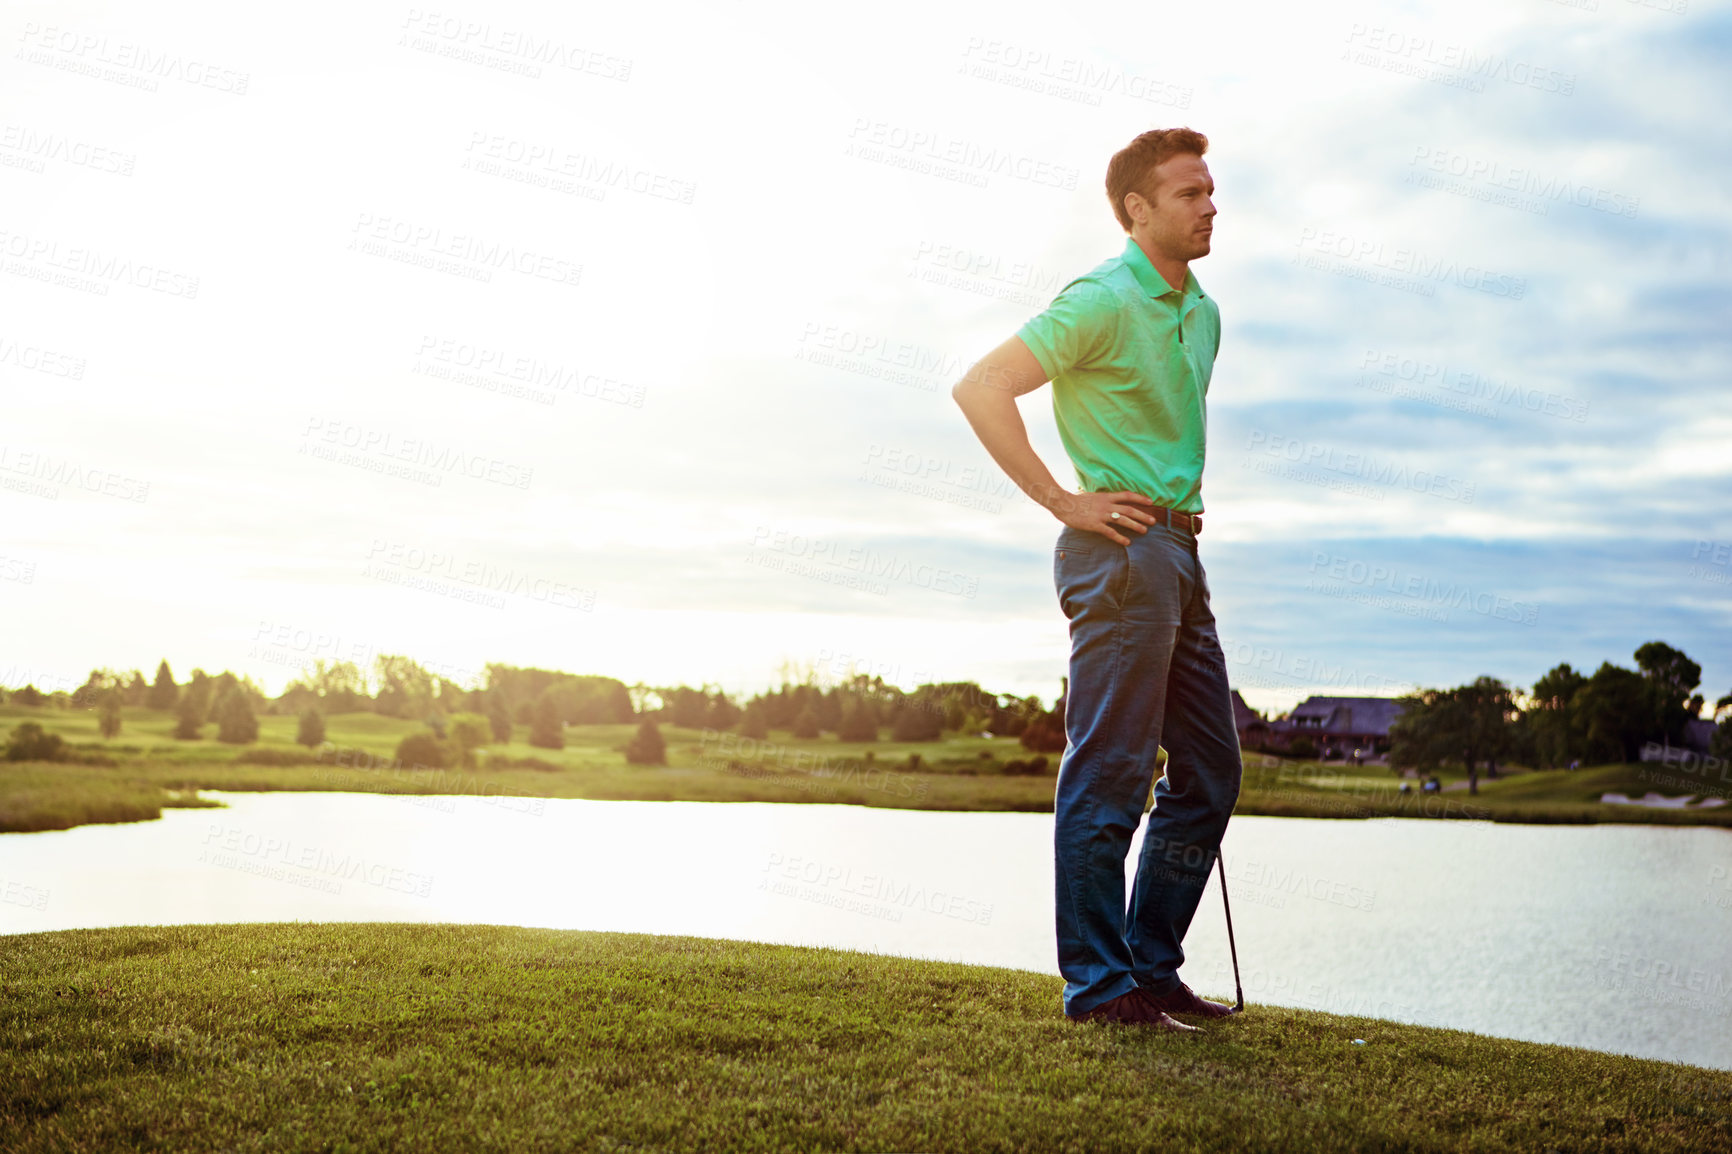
pixel 1173 519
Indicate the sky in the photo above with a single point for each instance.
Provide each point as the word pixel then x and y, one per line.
pixel 619 339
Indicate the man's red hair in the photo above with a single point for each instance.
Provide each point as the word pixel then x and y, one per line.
pixel 1132 168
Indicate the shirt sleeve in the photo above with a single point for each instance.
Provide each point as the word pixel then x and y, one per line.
pixel 1076 327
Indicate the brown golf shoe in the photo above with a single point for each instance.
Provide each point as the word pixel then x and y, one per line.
pixel 1184 1001
pixel 1133 1009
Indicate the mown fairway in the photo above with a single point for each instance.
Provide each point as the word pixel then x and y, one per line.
pixel 437 1037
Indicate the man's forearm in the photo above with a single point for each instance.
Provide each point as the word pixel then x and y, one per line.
pixel 996 420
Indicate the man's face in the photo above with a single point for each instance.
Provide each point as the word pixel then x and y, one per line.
pixel 1180 219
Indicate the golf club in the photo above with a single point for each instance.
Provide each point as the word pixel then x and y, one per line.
pixel 1238 990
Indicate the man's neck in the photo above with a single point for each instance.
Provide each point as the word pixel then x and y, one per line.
pixel 1172 269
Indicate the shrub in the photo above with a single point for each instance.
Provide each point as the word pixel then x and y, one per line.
pixel 312 728
pixel 235 721
pixel 1302 748
pixel 647 748
pixel 755 722
pixel 469 732
pixel 918 721
pixel 31 743
pixel 546 726
pixel 189 718
pixel 499 720
pixel 806 725
pixel 109 721
pixel 1044 734
pixel 1034 765
pixel 859 722
pixel 424 751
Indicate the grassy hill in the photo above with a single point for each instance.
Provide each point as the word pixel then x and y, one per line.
pixel 150 771
pixel 359 1037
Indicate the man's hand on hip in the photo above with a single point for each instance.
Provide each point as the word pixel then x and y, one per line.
pixel 1105 513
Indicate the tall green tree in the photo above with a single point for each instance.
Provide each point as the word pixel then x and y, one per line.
pixel 236 723
pixel 311 730
pixel 547 726
pixel 188 719
pixel 1672 680
pixel 109 720
pixel 163 691
pixel 859 721
pixel 1615 712
pixel 647 746
pixel 755 722
pixel 1557 735
pixel 1472 724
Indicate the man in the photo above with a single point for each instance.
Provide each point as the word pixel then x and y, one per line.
pixel 1129 348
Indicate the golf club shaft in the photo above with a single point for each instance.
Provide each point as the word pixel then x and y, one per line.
pixel 1238 990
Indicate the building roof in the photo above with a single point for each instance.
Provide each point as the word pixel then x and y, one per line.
pixel 1344 715
pixel 1243 715
pixel 1698 734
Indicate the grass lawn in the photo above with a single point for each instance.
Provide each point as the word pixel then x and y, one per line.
pixel 151 770
pixel 354 1037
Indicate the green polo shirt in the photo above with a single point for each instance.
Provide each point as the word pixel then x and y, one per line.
pixel 1129 357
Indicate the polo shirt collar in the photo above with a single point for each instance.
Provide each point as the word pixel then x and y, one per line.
pixel 1152 281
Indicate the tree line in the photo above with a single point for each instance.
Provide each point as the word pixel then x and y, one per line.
pixel 1568 719
pixel 545 701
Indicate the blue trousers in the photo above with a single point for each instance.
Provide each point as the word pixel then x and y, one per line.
pixel 1146 670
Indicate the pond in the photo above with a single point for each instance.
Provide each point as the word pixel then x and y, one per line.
pixel 1610 937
